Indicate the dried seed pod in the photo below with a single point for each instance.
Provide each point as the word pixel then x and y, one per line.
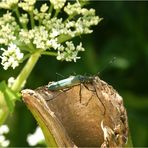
pixel 92 114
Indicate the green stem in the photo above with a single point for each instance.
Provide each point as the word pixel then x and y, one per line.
pixel 63 38
pixel 16 10
pixel 22 77
pixel 50 9
pixel 31 19
pixel 49 53
pixel 56 13
pixel 68 18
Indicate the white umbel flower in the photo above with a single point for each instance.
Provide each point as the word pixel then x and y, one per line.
pixel 11 57
pixel 48 31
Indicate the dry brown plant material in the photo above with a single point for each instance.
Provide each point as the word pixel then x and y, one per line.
pixel 92 114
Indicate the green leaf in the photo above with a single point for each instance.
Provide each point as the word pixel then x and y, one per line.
pixel 9 95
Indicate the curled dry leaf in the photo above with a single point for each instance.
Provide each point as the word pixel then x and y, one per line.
pixel 92 114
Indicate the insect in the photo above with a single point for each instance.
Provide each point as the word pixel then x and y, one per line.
pixel 69 82
pixel 76 80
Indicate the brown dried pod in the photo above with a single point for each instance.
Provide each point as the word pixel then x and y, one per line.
pixel 92 114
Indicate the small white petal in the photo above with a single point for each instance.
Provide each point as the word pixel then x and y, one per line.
pixel 5 143
pixel 4 129
pixel 34 139
pixel 10 83
pixel 2 138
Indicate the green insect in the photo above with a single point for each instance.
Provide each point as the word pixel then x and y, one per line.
pixel 69 82
pixel 76 80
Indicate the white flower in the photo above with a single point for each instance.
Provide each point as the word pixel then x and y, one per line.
pixel 27 5
pixel 7 17
pixel 54 33
pixel 69 52
pixel 11 57
pixel 40 37
pixel 10 81
pixel 44 8
pixel 58 4
pixel 25 36
pixel 53 43
pixel 72 9
pixel 2 138
pixel 34 139
pixel 48 30
pixel 24 19
pixel 4 130
pixel 80 48
pixel 8 27
pixel 6 34
pixel 8 4
pixel 41 16
pixel 5 143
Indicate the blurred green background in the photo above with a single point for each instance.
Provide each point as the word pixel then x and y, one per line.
pixel 122 34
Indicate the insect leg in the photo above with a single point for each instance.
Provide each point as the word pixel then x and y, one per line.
pixel 99 96
pixel 80 93
pixel 54 97
pixel 58 94
pixel 88 88
pixel 88 100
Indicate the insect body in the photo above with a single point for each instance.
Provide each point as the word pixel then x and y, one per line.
pixel 69 82
pixel 76 80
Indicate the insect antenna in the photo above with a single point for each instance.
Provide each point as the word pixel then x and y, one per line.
pixel 58 74
pixel 110 62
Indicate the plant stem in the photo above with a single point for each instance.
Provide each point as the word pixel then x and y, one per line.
pixel 49 53
pixel 22 77
pixel 16 10
pixel 32 19
pixel 56 13
pixel 50 9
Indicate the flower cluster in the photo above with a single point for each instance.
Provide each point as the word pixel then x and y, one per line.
pixel 43 29
pixel 8 4
pixel 58 4
pixel 8 28
pixel 11 56
pixel 69 52
pixel 4 130
pixel 27 5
